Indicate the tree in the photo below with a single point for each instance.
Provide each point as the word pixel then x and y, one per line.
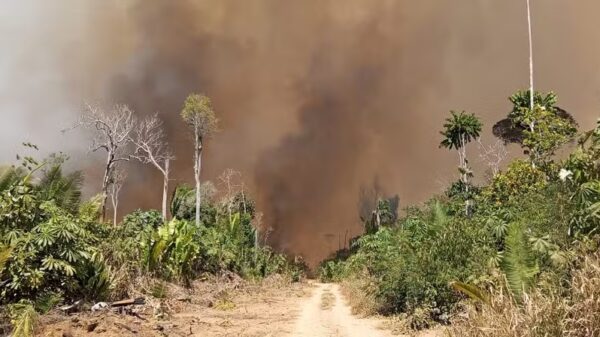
pixel 116 184
pixel 492 155
pixel 540 131
pixel 198 113
pixel 152 148
pixel 112 130
pixel 63 189
pixel 227 180
pixel 459 130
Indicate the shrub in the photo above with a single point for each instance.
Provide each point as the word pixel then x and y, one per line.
pixel 412 264
pixel 519 179
pixel 172 250
pixel 52 256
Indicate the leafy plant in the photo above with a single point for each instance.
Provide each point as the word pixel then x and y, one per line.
pixel 23 318
pixel 541 130
pixel 518 263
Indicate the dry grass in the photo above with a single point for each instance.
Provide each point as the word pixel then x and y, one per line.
pixel 541 315
pixel 584 318
pixel 360 294
pixel 327 300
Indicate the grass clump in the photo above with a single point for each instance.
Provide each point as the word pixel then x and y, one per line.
pixel 327 300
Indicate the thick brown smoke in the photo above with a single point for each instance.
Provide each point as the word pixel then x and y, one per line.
pixel 319 98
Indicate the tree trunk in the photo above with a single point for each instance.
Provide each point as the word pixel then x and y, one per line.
pixel 115 209
pixel 165 191
pixel 114 197
pixel 197 168
pixel 530 58
pixel 105 183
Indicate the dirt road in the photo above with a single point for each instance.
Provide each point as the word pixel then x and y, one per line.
pixel 325 314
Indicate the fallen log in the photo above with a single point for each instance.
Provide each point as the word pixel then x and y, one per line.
pixel 71 308
pixel 133 301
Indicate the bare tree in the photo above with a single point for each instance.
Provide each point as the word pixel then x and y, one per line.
pixel 257 225
pixel 227 178
pixel 492 155
pixel 116 183
pixel 198 113
pixel 152 148
pixel 112 130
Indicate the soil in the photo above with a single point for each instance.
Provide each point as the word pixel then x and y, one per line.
pixel 327 314
pixel 273 308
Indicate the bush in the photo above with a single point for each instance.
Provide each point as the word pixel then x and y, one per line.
pixel 52 256
pixel 412 263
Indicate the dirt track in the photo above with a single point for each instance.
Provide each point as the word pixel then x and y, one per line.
pixel 325 314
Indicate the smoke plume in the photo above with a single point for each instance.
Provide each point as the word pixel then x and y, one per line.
pixel 318 99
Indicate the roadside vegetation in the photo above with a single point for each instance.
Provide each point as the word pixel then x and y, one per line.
pixel 57 249
pixel 516 255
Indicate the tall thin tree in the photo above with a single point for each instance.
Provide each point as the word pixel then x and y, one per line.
pixel 198 113
pixel 459 130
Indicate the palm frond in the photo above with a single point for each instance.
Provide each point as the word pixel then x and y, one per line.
pixel 23 319
pixel 64 190
pixel 10 176
pixel 5 253
pixel 470 290
pixel 179 199
pixel 518 263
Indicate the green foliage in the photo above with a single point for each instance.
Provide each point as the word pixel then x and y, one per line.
pixel 540 131
pixel 180 249
pixel 384 214
pixel 199 114
pixel 140 220
pixel 461 128
pixel 48 239
pixel 53 249
pixel 519 179
pixel 50 257
pixel 64 190
pixel 5 253
pixel 519 232
pixel 23 318
pixel 518 263
pixel 47 302
pixel 10 176
pixel 183 204
pixel 414 262
pixel 172 250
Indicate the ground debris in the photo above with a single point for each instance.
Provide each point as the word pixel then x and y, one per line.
pixel 251 308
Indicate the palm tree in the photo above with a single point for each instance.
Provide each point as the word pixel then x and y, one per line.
pixel 459 130
pixel 64 190
pixel 10 176
pixel 53 184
